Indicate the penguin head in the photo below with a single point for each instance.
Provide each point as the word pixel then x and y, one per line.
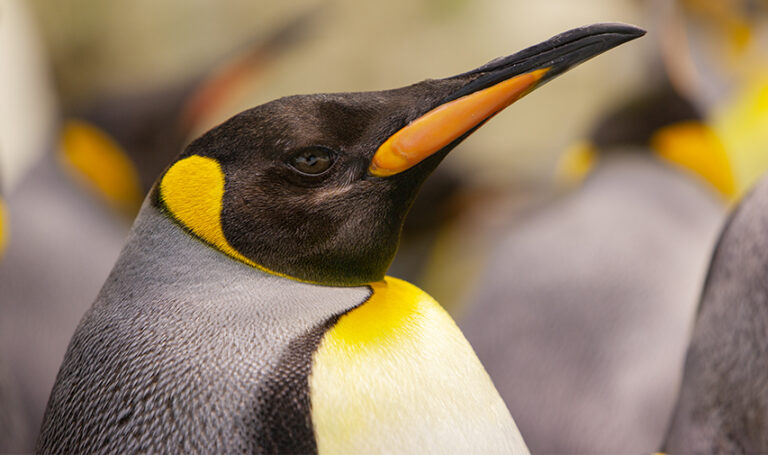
pixel 316 187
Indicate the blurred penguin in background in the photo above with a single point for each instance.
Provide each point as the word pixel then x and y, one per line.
pixel 716 55
pixel 13 428
pixel 591 298
pixel 150 125
pixel 723 404
pixel 14 432
pixel 724 395
pixel 27 119
pixel 71 201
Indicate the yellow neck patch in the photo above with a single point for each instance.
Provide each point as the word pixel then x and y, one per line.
pixel 192 190
pixel 102 164
pixel 696 147
pixel 395 375
pixel 393 301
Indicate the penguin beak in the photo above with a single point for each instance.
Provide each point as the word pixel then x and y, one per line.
pixel 491 88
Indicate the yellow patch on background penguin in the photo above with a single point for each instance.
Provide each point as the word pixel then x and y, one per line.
pixel 729 20
pixel 102 164
pixel 3 228
pixel 696 147
pixel 576 163
pixel 741 121
pixel 396 375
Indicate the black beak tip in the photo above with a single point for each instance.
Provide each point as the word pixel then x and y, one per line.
pixel 576 46
pixel 559 54
pixel 617 28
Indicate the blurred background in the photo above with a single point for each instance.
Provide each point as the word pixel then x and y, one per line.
pixel 569 237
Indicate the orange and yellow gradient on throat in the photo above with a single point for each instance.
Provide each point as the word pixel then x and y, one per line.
pixel 444 124
pixel 378 370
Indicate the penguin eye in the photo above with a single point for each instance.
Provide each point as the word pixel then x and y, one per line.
pixel 312 161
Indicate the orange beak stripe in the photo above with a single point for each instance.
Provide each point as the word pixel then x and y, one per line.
pixel 447 122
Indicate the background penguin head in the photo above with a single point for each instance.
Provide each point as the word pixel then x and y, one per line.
pixel 316 187
pixel 662 123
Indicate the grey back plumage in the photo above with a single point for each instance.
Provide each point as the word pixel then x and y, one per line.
pixel 723 405
pixel 582 314
pixel 192 345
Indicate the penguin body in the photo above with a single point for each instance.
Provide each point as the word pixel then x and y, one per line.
pixel 723 402
pixel 261 333
pixel 238 369
pixel 250 311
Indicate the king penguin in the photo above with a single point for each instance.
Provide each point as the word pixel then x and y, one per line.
pixel 723 402
pixel 249 310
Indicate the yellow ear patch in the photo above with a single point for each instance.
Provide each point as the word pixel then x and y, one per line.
pixel 102 164
pixel 192 191
pixel 696 147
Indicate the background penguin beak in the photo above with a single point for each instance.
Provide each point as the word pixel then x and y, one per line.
pixel 491 88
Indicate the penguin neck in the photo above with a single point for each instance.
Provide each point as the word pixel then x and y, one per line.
pixel 691 148
pixel 159 252
pixel 695 148
pixel 637 175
